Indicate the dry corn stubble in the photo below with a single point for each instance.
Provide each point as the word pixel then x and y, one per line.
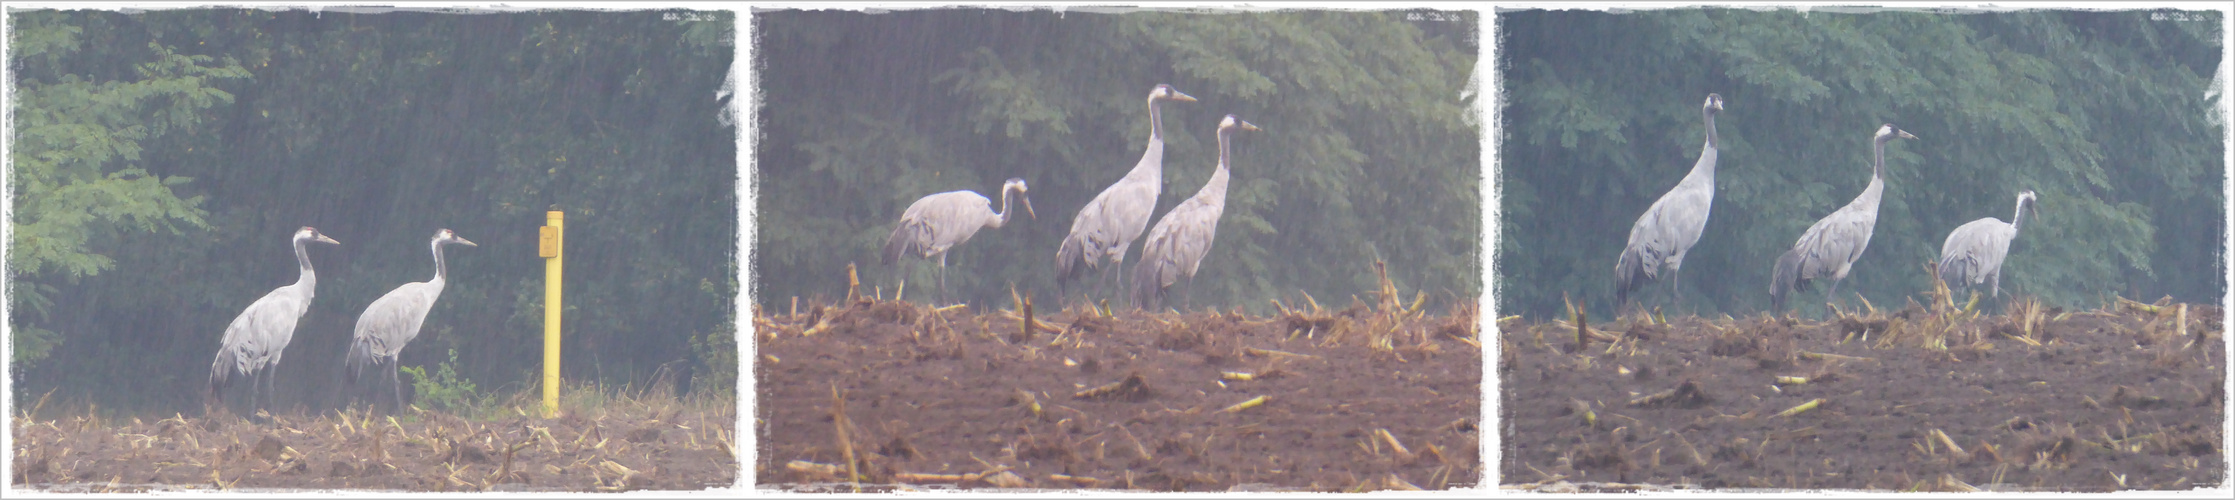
pixel 1856 387
pixel 1169 392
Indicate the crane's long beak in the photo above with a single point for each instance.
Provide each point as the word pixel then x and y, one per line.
pixel 1249 126
pixel 1905 134
pixel 323 239
pixel 462 241
pixel 1177 96
pixel 1028 208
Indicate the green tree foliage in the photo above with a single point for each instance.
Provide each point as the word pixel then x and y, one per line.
pixel 2107 114
pixel 378 129
pixel 78 180
pixel 1368 145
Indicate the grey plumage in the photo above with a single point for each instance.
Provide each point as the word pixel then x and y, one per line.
pixel 1831 246
pixel 936 223
pixel 255 339
pixel 1668 229
pixel 1974 252
pixel 1107 225
pixel 394 319
pixel 1176 247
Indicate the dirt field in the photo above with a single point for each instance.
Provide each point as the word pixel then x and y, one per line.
pixel 656 444
pixel 1312 399
pixel 2039 399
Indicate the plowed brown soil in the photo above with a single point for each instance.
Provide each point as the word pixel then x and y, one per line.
pixel 917 399
pixel 2038 399
pixel 635 445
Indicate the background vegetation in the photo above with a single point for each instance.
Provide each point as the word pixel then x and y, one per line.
pixel 161 160
pixel 1369 146
pixel 2108 115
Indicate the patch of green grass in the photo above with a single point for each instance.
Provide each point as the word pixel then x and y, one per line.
pixel 446 391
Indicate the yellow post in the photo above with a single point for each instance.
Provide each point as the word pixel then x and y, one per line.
pixel 552 237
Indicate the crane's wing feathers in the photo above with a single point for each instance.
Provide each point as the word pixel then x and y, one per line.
pixel 394 319
pixel 1110 223
pixel 260 332
pixel 1834 242
pixel 1974 250
pixel 1176 247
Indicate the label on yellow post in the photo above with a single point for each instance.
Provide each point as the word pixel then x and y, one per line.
pixel 547 242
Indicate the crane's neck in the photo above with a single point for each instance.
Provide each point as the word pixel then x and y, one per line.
pixel 1214 190
pixel 1156 123
pixel 440 272
pixel 1703 170
pixel 1002 219
pixel 1878 158
pixel 2016 219
pixel 1225 148
pixel 308 279
pixel 1710 115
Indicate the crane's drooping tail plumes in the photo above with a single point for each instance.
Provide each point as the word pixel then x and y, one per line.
pixel 1148 289
pixel 906 240
pixel 221 371
pixel 1631 272
pixel 1785 279
pixel 360 356
pixel 1069 259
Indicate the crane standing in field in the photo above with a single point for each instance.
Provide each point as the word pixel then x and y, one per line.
pixel 1109 223
pixel 1973 253
pixel 393 319
pixel 1669 228
pixel 1175 248
pixel 1831 246
pixel 936 223
pixel 255 339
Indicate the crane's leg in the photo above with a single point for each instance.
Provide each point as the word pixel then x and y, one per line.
pixel 264 376
pixel 1102 283
pixel 255 389
pixel 1187 296
pixel 1996 279
pixel 255 393
pixel 1101 279
pixel 1676 288
pixel 1832 295
pixel 250 410
pixel 942 299
pixel 394 365
pixel 271 388
pixel 1118 268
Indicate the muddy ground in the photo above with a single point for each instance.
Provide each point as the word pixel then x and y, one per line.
pixel 2130 397
pixel 1365 398
pixel 628 444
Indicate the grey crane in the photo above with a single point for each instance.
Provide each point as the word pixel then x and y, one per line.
pixel 936 223
pixel 1175 248
pixel 255 339
pixel 1831 246
pixel 1108 224
pixel 393 319
pixel 1668 229
pixel 1973 253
